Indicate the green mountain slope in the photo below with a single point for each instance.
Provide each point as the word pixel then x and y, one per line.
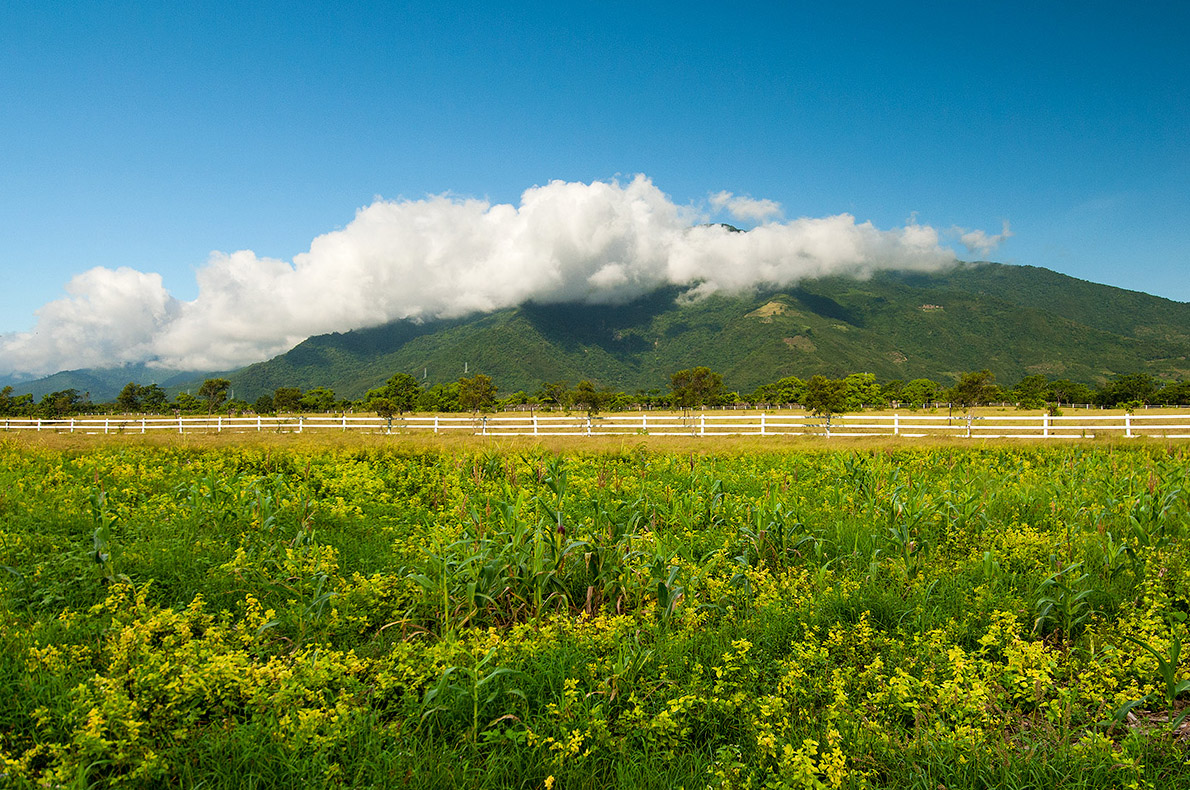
pixel 1014 320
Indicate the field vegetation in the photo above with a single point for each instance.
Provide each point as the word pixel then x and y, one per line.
pixel 350 612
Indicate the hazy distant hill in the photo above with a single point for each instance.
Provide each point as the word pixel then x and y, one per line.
pixel 1015 320
pixel 104 384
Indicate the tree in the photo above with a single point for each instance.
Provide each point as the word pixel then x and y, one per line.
pixel 287 399
pixel 891 391
pixel 153 399
pixel 6 401
pixel 440 398
pixel 187 403
pixel 786 390
pixel 919 392
pixel 696 387
pixel 824 397
pixel 862 390
pixel 385 409
pixel 402 390
pixel 59 404
pixel 1128 387
pixel 556 393
pixel 477 392
pixel 263 405
pixel 1177 394
pixel 975 388
pixel 318 399
pixel 592 400
pixel 1031 392
pixel 129 399
pixel 1067 391
pixel 214 392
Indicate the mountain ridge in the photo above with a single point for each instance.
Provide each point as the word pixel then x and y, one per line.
pixel 1013 320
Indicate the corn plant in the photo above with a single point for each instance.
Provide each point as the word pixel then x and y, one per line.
pixel 467 692
pixel 669 592
pixel 1063 601
pixel 102 521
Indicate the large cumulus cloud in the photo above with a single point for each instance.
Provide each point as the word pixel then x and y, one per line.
pixel 445 256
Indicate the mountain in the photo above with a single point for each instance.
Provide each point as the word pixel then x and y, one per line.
pixel 104 384
pixel 1015 320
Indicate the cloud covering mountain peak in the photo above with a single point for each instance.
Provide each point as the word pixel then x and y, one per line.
pixel 445 256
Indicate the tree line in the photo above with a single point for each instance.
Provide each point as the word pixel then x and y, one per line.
pixel 692 388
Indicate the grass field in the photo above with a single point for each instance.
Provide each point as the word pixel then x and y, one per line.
pixel 353 611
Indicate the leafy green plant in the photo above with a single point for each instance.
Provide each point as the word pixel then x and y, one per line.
pixel 467 692
pixel 669 592
pixel 1062 601
pixel 102 520
pixel 1167 669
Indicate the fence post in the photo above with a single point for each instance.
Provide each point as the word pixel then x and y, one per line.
pixel 219 424
pixel 483 429
pixel 105 422
pixel 39 425
pixel 345 423
pixel 435 424
pixel 534 424
pixel 142 424
pixel 1045 425
pixel 702 425
pixel 896 424
pixel 588 425
pixel 301 423
pixel 258 425
pixel 968 426
pixel 179 423
pixel 72 424
pixel 762 428
pixel 1127 424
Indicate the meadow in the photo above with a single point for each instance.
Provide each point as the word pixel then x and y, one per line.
pixel 361 612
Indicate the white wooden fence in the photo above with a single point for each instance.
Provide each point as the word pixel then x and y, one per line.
pixel 1168 425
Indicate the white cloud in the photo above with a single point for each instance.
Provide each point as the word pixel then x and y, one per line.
pixel 109 317
pixel 444 256
pixel 979 242
pixel 746 209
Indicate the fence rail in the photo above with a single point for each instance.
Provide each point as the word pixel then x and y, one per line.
pixel 1167 425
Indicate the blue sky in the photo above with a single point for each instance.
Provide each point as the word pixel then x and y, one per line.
pixel 147 135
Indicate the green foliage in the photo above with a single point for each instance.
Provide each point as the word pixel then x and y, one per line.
pixel 919 392
pixel 782 392
pixel 1140 388
pixel 187 403
pixel 477 392
pixel 62 404
pixel 372 616
pixel 696 387
pixel 590 398
pixel 401 390
pixel 214 392
pixel 287 399
pixel 318 399
pixel 264 405
pixel 975 389
pixel 824 397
